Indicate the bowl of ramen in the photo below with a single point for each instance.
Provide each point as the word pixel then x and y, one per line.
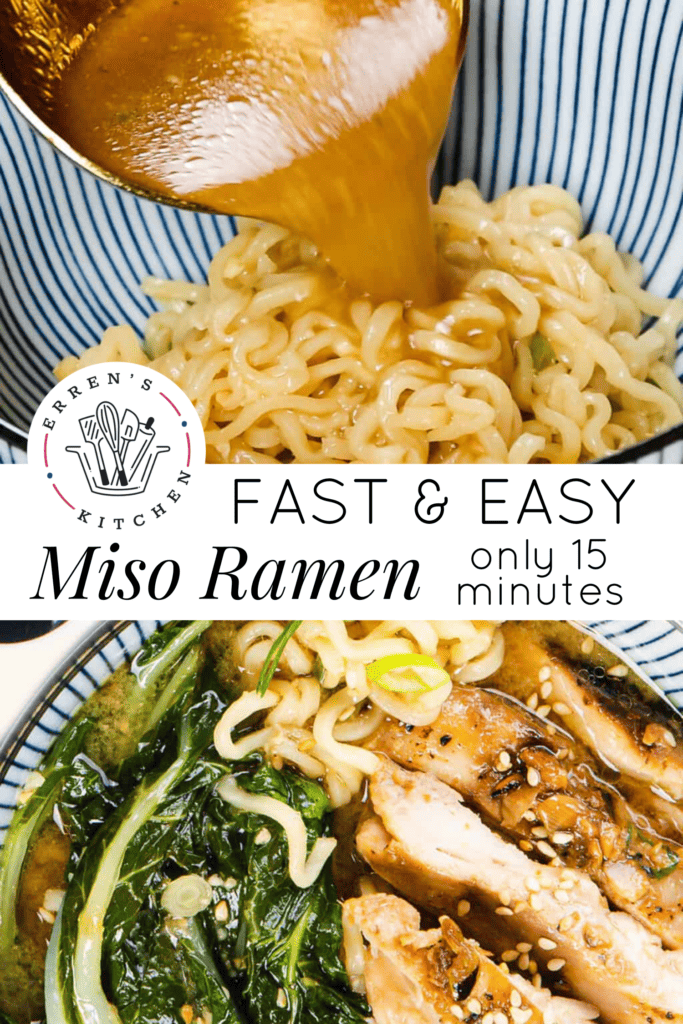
pixel 531 314
pixel 303 821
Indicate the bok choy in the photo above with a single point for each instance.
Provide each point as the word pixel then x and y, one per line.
pixel 151 670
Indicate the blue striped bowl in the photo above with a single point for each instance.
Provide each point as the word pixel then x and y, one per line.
pixel 587 94
pixel 655 649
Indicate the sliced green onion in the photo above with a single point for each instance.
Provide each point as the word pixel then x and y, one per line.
pixel 274 655
pixel 542 352
pixel 670 868
pixel 407 673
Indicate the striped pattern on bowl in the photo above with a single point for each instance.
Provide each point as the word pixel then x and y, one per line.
pixel 588 95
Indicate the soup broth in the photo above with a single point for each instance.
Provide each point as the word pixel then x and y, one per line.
pixel 321 115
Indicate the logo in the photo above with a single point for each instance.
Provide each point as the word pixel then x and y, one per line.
pixel 117 445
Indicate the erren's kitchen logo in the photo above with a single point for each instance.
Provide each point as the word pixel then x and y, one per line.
pixel 117 445
pixel 119 452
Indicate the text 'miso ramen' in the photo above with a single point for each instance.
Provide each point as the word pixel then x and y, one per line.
pixel 540 354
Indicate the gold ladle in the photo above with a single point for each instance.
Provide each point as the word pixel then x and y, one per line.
pixel 321 115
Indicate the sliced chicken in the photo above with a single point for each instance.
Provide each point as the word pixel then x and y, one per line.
pixel 605 957
pixel 639 739
pixel 535 782
pixel 438 976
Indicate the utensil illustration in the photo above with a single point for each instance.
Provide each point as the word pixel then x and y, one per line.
pixel 149 432
pixel 110 425
pixel 93 435
pixel 130 427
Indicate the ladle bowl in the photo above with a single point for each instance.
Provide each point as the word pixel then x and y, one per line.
pixel 38 41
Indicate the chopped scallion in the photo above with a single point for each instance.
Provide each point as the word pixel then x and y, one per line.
pixel 407 673
pixel 542 352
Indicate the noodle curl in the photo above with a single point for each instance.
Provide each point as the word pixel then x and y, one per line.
pixel 282 364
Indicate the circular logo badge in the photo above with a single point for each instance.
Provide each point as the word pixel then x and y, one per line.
pixel 117 445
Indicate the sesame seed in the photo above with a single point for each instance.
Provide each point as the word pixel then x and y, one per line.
pixel 535 902
pixel 556 965
pixel 525 845
pixel 618 671
pixel 504 759
pixel 568 883
pixel 539 832
pixel 546 849
pixel 547 944
pixel 488 1018
pixel 520 1016
pixel 464 908
pixel 670 738
pixel 458 1012
pixel 544 674
pixel 561 709
pixel 551 730
pixel 262 837
pixel 562 838
pixel 544 710
pixel 500 1017
pixel 561 896
pixel 566 923
pixel 281 997
pixel 46 915
pixel 555 863
pixel 509 956
pixel 505 898
pixel 221 911
pixel 532 884
pixel 504 968
pixel 532 701
pixel 515 998
pixel 523 962
pixel 533 777
pixel 533 967
pixel 503 911
pixel 524 947
pixel 473 1005
pixel 519 907
pixel 546 690
pixel 529 816
pixel 537 980
pixel 561 754
pixel 587 645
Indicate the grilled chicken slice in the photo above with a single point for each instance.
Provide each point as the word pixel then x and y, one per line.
pixel 438 976
pixel 542 788
pixel 639 739
pixel 606 957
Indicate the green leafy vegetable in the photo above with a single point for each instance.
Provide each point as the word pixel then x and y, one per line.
pixel 151 667
pixel 542 352
pixel 265 949
pixel 285 951
pixel 274 655
pixel 28 820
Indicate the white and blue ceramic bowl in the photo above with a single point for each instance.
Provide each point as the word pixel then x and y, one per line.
pixel 655 649
pixel 587 94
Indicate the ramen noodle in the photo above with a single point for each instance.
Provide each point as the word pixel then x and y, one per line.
pixel 541 354
pixel 321 704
